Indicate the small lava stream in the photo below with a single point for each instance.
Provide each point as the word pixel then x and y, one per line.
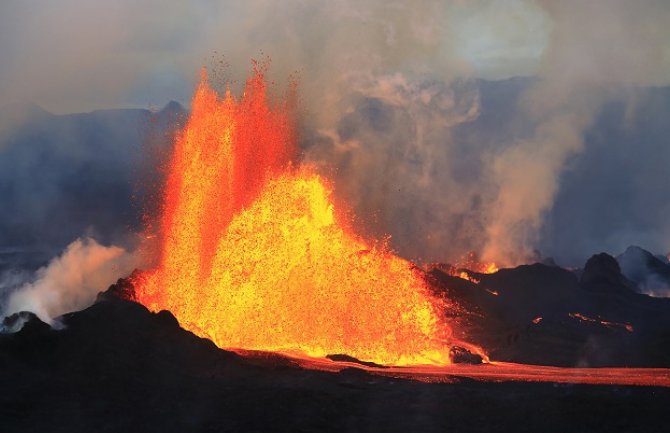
pixel 490 372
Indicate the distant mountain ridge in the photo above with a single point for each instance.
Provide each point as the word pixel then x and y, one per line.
pixel 62 176
pixel 87 173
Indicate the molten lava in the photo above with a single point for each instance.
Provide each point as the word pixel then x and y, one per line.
pixel 255 256
pixel 579 316
pixel 471 262
pixel 467 268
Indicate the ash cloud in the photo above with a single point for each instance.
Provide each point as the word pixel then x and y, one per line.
pixel 597 51
pixel 78 55
pixel 398 162
pixel 392 110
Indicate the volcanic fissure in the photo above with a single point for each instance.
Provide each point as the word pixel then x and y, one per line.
pixel 255 255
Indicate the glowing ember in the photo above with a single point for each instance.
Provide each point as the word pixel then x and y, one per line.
pixel 627 326
pixel 507 371
pixel 255 256
pixel 471 262
pixel 537 320
pixel 466 276
pixel 466 267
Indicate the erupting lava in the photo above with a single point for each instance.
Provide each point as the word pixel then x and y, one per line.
pixel 255 256
pixel 471 262
pixel 467 268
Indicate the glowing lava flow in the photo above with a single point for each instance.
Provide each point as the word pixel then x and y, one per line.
pixel 254 255
pixel 467 268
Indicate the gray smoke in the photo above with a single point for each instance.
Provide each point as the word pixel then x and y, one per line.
pixel 597 50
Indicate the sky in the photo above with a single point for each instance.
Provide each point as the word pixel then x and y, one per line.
pixel 384 85
pixel 77 55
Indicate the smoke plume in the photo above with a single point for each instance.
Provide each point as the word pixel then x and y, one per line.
pixel 597 50
pixel 71 281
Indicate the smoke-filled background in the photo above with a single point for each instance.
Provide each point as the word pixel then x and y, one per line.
pixel 518 129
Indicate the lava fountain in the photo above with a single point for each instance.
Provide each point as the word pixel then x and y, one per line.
pixel 254 254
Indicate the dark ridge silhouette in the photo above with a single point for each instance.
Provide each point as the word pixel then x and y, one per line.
pixel 539 314
pixel 117 367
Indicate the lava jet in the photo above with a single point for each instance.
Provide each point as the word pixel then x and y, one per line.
pixel 256 256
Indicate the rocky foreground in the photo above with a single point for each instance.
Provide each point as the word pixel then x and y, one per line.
pixel 118 367
pixel 548 315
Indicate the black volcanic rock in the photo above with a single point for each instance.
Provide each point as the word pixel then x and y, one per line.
pixel 118 367
pixel 541 314
pixel 167 319
pixel 603 274
pixel 461 355
pixel 347 358
pixel 25 322
pixel 122 289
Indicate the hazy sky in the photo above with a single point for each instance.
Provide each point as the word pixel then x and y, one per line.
pixel 74 55
pixel 383 84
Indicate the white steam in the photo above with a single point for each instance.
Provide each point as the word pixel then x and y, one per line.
pixel 71 281
pixel 597 50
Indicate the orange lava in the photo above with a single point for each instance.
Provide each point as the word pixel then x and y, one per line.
pixel 579 316
pixel 467 268
pixel 507 371
pixel 255 256
pixel 471 262
pixel 466 276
